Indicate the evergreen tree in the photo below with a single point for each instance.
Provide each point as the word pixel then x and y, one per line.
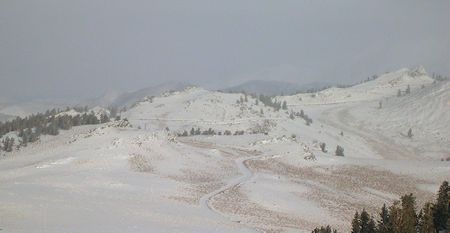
pixel 356 225
pixel 292 116
pixel 371 227
pixel 24 137
pixel 395 219
pixel 383 223
pixel 323 147
pixel 441 210
pixel 340 152
pixel 408 89
pixel 32 136
pixel 426 223
pixel 364 221
pixel 104 118
pixel 52 128
pixel 408 214
pixel 326 229
pixel 284 105
pixel 8 144
pixel 410 133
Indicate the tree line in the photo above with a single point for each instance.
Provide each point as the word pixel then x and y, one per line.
pixel 30 128
pixel 210 131
pixel 402 217
pixel 302 115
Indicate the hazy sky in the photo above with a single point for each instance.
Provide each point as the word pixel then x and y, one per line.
pixel 83 48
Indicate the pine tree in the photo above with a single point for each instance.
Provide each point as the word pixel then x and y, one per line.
pixel 25 138
pixel 426 224
pixel 441 210
pixel 104 118
pixel 284 105
pixel 371 227
pixel 8 144
pixel 326 229
pixel 291 116
pixel 356 225
pixel 408 89
pixel 395 219
pixel 364 221
pixel 383 223
pixel 323 147
pixel 408 214
pixel 340 152
pixel 410 133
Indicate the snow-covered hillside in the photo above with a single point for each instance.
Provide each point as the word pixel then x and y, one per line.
pixel 384 86
pixel 279 175
pixel 97 111
pixel 197 107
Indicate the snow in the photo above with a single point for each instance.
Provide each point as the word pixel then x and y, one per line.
pixel 97 111
pixel 384 86
pixel 141 177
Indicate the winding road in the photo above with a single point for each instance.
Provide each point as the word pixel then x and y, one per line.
pixel 246 176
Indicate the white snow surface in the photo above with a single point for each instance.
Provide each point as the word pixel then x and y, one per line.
pixel 275 178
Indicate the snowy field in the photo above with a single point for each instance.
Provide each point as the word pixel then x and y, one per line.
pixel 273 178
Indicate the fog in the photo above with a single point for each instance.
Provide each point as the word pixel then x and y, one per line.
pixel 82 49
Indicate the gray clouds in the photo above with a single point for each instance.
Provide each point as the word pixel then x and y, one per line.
pixel 51 48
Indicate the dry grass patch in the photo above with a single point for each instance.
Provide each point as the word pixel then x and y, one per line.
pixel 140 163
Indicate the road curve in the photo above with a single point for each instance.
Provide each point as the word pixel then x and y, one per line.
pixel 246 176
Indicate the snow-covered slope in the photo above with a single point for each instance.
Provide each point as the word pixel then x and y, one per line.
pixel 197 107
pixel 97 111
pixel 283 178
pixel 425 111
pixel 384 86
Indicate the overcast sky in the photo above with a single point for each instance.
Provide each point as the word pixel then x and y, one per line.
pixel 83 48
